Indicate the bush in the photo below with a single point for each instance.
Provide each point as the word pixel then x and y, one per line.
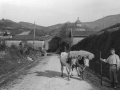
pixel 2 46
pixel 12 59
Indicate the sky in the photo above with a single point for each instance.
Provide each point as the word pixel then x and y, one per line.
pixel 50 12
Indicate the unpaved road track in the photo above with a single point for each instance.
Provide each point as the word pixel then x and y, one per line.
pixel 46 76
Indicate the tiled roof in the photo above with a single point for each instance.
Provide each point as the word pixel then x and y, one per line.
pixel 24 33
pixel 78 22
pixel 76 33
pixel 25 37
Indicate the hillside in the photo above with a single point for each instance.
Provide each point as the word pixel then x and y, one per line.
pixel 96 25
pixel 30 25
pixel 16 28
pixel 37 32
pixel 8 24
pixel 108 21
pixel 52 29
pixel 102 41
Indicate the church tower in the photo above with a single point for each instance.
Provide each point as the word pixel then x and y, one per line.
pixel 78 23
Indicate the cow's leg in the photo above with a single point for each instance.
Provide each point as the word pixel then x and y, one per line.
pixel 72 70
pixel 82 75
pixel 62 68
pixel 72 67
pixel 67 69
pixel 69 74
pixel 81 72
pixel 78 72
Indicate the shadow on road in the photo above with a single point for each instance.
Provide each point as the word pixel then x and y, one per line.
pixel 49 73
pixel 54 74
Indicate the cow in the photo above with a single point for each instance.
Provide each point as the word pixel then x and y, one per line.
pixel 80 65
pixel 66 61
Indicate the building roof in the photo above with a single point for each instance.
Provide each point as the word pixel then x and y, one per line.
pixel 26 37
pixel 78 21
pixel 24 33
pixel 76 33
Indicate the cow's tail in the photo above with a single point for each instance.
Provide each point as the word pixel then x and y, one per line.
pixel 69 59
pixel 60 56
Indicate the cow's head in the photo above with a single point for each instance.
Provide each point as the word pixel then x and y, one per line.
pixel 73 61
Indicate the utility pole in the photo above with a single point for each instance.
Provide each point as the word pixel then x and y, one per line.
pixel 103 23
pixel 116 20
pixel 71 39
pixel 101 69
pixel 34 36
pixel 101 61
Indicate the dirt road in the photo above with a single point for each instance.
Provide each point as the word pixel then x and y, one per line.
pixel 46 76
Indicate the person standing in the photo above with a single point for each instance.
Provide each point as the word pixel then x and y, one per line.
pixel 114 63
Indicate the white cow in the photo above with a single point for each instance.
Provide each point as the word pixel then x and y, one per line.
pixel 66 61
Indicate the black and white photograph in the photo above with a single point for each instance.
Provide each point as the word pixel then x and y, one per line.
pixel 59 44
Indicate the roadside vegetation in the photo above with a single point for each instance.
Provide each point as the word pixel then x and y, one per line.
pixel 13 58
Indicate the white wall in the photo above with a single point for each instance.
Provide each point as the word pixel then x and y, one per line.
pixel 47 44
pixel 10 42
pixel 36 43
pixel 76 40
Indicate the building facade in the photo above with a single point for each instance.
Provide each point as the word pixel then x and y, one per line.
pixel 79 32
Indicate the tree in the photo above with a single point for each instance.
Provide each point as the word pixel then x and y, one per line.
pixel 65 35
pixel 65 31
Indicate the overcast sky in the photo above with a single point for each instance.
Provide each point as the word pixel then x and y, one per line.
pixel 50 12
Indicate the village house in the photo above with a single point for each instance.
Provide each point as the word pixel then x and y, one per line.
pixel 35 42
pixel 79 32
pixel 5 34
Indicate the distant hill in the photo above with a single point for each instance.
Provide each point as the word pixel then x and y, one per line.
pixel 11 26
pixel 8 24
pixel 51 29
pixel 103 22
pixel 94 25
pixel 17 28
pixel 30 25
